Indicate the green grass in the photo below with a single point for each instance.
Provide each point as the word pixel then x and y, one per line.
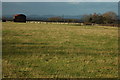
pixel 61 51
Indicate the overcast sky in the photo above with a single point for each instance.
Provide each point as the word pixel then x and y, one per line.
pixel 59 0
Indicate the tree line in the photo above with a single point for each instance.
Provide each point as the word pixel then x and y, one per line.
pixel 60 19
pixel 105 18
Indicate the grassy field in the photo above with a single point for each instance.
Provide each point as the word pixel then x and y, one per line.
pixel 57 50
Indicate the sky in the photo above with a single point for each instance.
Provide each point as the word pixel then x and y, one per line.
pixel 58 8
pixel 59 0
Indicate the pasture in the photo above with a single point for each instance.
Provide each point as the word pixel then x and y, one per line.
pixel 34 50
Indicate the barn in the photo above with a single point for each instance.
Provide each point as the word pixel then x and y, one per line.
pixel 3 20
pixel 19 18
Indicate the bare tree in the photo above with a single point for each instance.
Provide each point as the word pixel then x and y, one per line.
pixel 110 17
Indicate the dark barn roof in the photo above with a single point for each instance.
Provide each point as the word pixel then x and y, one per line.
pixel 19 15
pixel 19 18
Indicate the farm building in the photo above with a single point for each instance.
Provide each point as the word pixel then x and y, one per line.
pixel 19 18
pixel 3 20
